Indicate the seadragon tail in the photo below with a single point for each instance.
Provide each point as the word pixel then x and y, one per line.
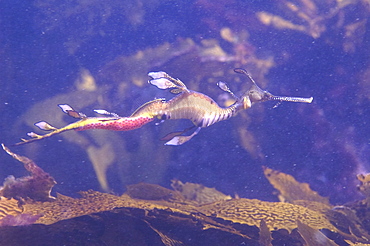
pixel 114 123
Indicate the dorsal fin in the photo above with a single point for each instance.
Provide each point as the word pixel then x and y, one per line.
pixel 145 105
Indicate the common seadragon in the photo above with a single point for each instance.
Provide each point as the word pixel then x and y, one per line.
pixel 202 110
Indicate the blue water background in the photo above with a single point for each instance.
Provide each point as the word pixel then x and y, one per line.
pixel 325 144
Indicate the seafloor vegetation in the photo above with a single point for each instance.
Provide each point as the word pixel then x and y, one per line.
pixel 187 214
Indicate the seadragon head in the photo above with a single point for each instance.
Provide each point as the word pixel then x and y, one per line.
pixel 256 94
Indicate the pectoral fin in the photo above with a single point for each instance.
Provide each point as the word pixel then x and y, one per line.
pixel 179 140
pixel 171 135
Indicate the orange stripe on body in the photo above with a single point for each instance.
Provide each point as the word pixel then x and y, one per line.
pixel 121 124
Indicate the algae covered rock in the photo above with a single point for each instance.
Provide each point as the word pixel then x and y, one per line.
pixel 191 214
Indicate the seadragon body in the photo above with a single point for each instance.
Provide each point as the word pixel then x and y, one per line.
pixel 199 108
pixel 202 110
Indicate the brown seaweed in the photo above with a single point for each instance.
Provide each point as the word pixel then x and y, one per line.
pixel 314 18
pixel 290 190
pixel 9 207
pixel 148 212
pixel 364 187
pixel 198 193
pixel 36 187
pixel 312 236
